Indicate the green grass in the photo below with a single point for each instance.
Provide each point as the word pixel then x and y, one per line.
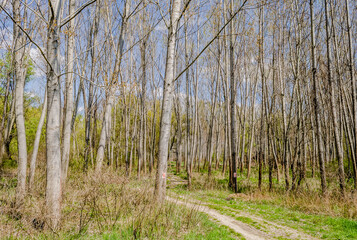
pixel 321 226
pixel 204 229
pixel 215 231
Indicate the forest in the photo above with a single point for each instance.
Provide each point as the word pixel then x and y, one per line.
pixel 178 119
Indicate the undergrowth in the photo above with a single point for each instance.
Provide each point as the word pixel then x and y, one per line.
pixel 105 206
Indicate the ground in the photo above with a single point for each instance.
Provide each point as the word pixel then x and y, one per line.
pixel 258 218
pixel 111 206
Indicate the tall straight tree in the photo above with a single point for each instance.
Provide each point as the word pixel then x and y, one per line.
pixel 188 127
pixel 20 70
pixel 262 105
pixel 142 138
pixel 332 87
pixel 233 88
pixel 53 131
pixel 90 110
pixel 351 66
pixel 316 103
pixel 68 105
pixel 165 123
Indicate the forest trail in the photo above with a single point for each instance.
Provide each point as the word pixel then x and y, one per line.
pixel 244 229
pixel 267 229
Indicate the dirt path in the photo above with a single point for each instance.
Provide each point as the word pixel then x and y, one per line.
pixel 244 229
pixel 267 229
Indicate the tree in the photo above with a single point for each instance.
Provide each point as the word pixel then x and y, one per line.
pixel 316 103
pixel 106 128
pixel 53 123
pixel 20 70
pixel 68 105
pixel 165 122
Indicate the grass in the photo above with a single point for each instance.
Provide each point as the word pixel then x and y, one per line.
pixel 327 218
pixel 103 207
pixel 110 206
pixel 206 229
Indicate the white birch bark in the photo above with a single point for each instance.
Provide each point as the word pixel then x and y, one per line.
pixel 53 141
pixel 165 123
pixel 19 78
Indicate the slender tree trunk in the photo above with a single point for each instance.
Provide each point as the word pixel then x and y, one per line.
pixel 233 89
pixel 320 152
pixel 153 135
pixel 333 86
pixel 53 123
pixel 195 122
pixel 68 108
pixel 252 128
pixel 7 133
pixel 6 115
pixel 37 143
pixel 142 138
pixel 165 125
pixel 89 113
pixel 178 131
pixel 261 154
pixel 351 66
pixel 188 156
pixel 20 70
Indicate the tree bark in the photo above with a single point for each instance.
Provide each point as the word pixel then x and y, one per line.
pixel 68 108
pixel 351 66
pixel 320 152
pixel 165 123
pixel 20 70
pixel 53 130
pixel 233 89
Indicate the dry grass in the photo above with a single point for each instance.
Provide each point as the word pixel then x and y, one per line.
pixel 305 201
pixel 94 205
pixel 307 198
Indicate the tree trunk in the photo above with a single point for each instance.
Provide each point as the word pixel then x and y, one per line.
pixel 233 89
pixel 165 123
pixel 188 127
pixel 20 70
pixel 37 143
pixel 320 152
pixel 68 108
pixel 351 66
pixel 89 113
pixel 53 130
pixel 333 86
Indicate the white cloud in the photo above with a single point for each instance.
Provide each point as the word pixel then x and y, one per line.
pixel 38 61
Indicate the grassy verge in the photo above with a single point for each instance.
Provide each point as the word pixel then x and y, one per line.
pixel 318 225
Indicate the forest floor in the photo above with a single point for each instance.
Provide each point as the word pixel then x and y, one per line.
pixel 256 229
pixel 258 214
pixel 105 206
pixel 110 206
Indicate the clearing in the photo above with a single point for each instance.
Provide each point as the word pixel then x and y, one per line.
pixel 246 224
